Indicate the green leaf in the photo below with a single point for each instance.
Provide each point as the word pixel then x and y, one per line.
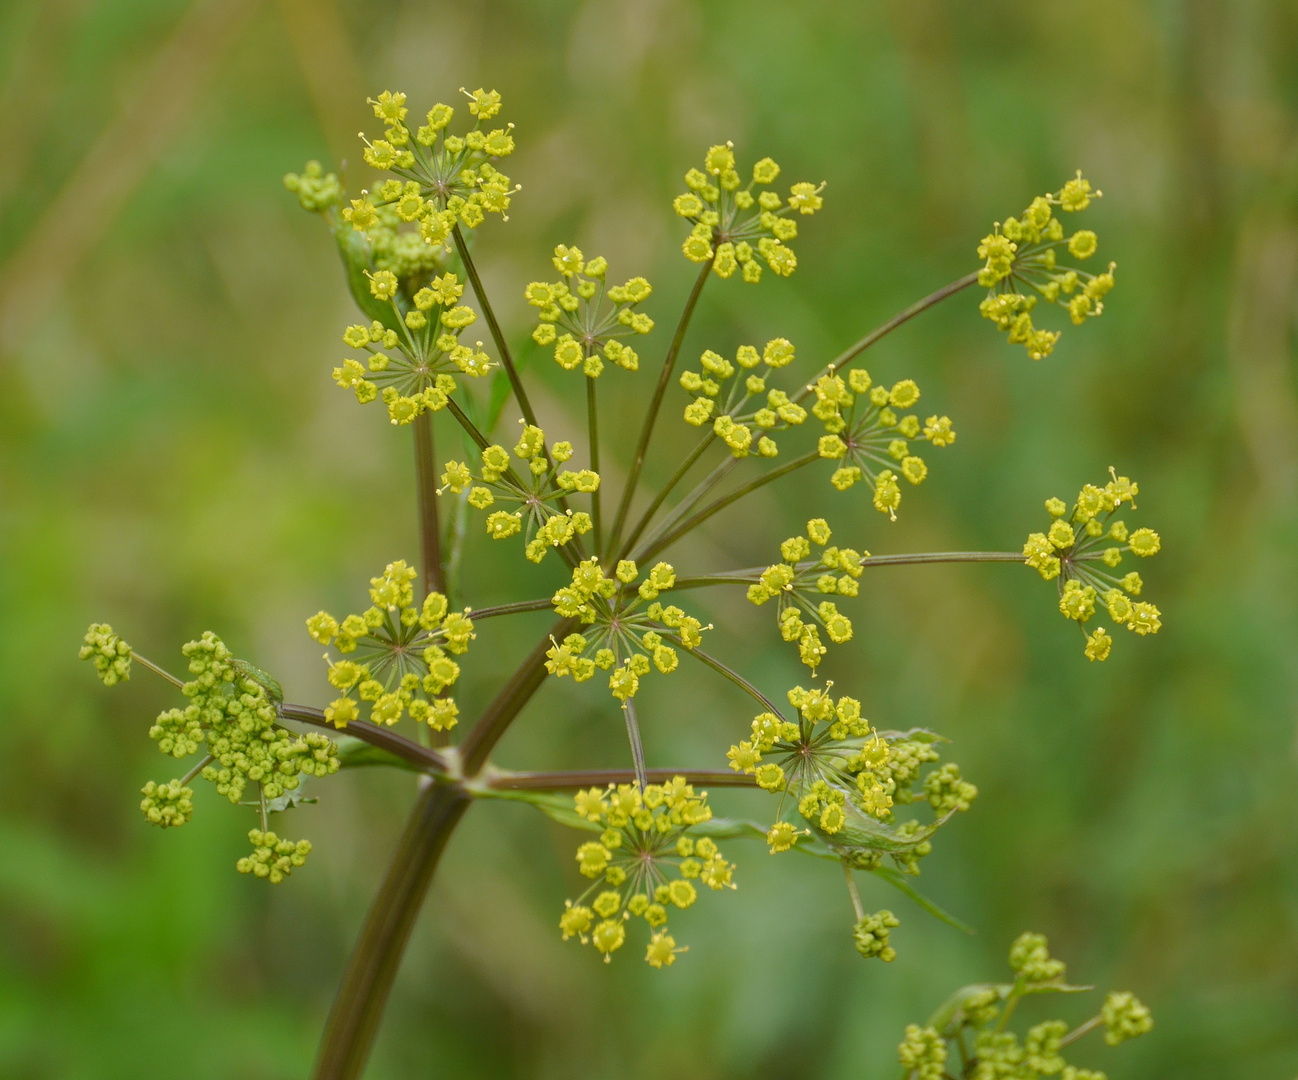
pixel 949 1009
pixel 864 831
pixel 898 881
pixel 354 249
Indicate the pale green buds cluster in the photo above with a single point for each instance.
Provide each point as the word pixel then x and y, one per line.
pixel 110 655
pixel 168 804
pixel 870 936
pixel 986 1052
pixel 273 859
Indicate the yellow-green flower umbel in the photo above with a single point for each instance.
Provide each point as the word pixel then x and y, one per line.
pixel 845 777
pixel 646 862
pixel 738 226
pixel 626 629
pixel 973 1025
pixel 869 440
pixel 533 504
pixel 396 655
pixel 1082 551
pixel 1025 263
pixel 804 587
pixel 733 398
pixel 585 319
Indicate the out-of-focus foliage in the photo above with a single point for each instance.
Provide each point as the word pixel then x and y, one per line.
pixel 174 457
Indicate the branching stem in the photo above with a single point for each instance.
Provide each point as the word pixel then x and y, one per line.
pixel 701 516
pixel 497 335
pixel 655 403
pixel 853 351
pixel 156 670
pixel 637 747
pixel 430 531
pixel 384 738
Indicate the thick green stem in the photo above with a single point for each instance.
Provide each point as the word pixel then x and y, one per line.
pixel 680 530
pixel 655 403
pixel 358 1007
pixel 430 532
pixel 887 328
pixel 497 335
pixel 581 778
pixel 497 716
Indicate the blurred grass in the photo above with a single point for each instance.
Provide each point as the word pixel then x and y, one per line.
pixel 173 457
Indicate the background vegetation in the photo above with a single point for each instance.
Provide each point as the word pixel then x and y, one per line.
pixel 173 457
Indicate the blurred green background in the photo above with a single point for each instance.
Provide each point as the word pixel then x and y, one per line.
pixel 174 457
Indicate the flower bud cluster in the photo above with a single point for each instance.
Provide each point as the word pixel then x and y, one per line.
pixel 1022 267
pixel 870 936
pixel 734 223
pixel 867 437
pixel 526 504
pixel 801 587
pixel 272 858
pixel 627 630
pixel 238 721
pixel 584 318
pixel 110 655
pixel 1083 549
pixel 167 804
pixel 395 654
pixel 233 713
pixel 646 862
pixel 988 1052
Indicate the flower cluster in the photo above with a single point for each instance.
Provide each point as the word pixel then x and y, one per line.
pixel 167 804
pixel 645 862
pixel 540 496
pixel 801 587
pixel 232 711
pixel 272 858
pixel 866 436
pixel 738 414
pixel 445 180
pixel 627 628
pixel 1078 543
pixel 734 222
pixel 110 655
pixel 395 654
pixel 987 1052
pixel 1022 267
pixel 316 190
pixel 845 778
pixel 410 367
pixel 584 318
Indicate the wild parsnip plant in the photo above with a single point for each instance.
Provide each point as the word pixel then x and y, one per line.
pixel 752 413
